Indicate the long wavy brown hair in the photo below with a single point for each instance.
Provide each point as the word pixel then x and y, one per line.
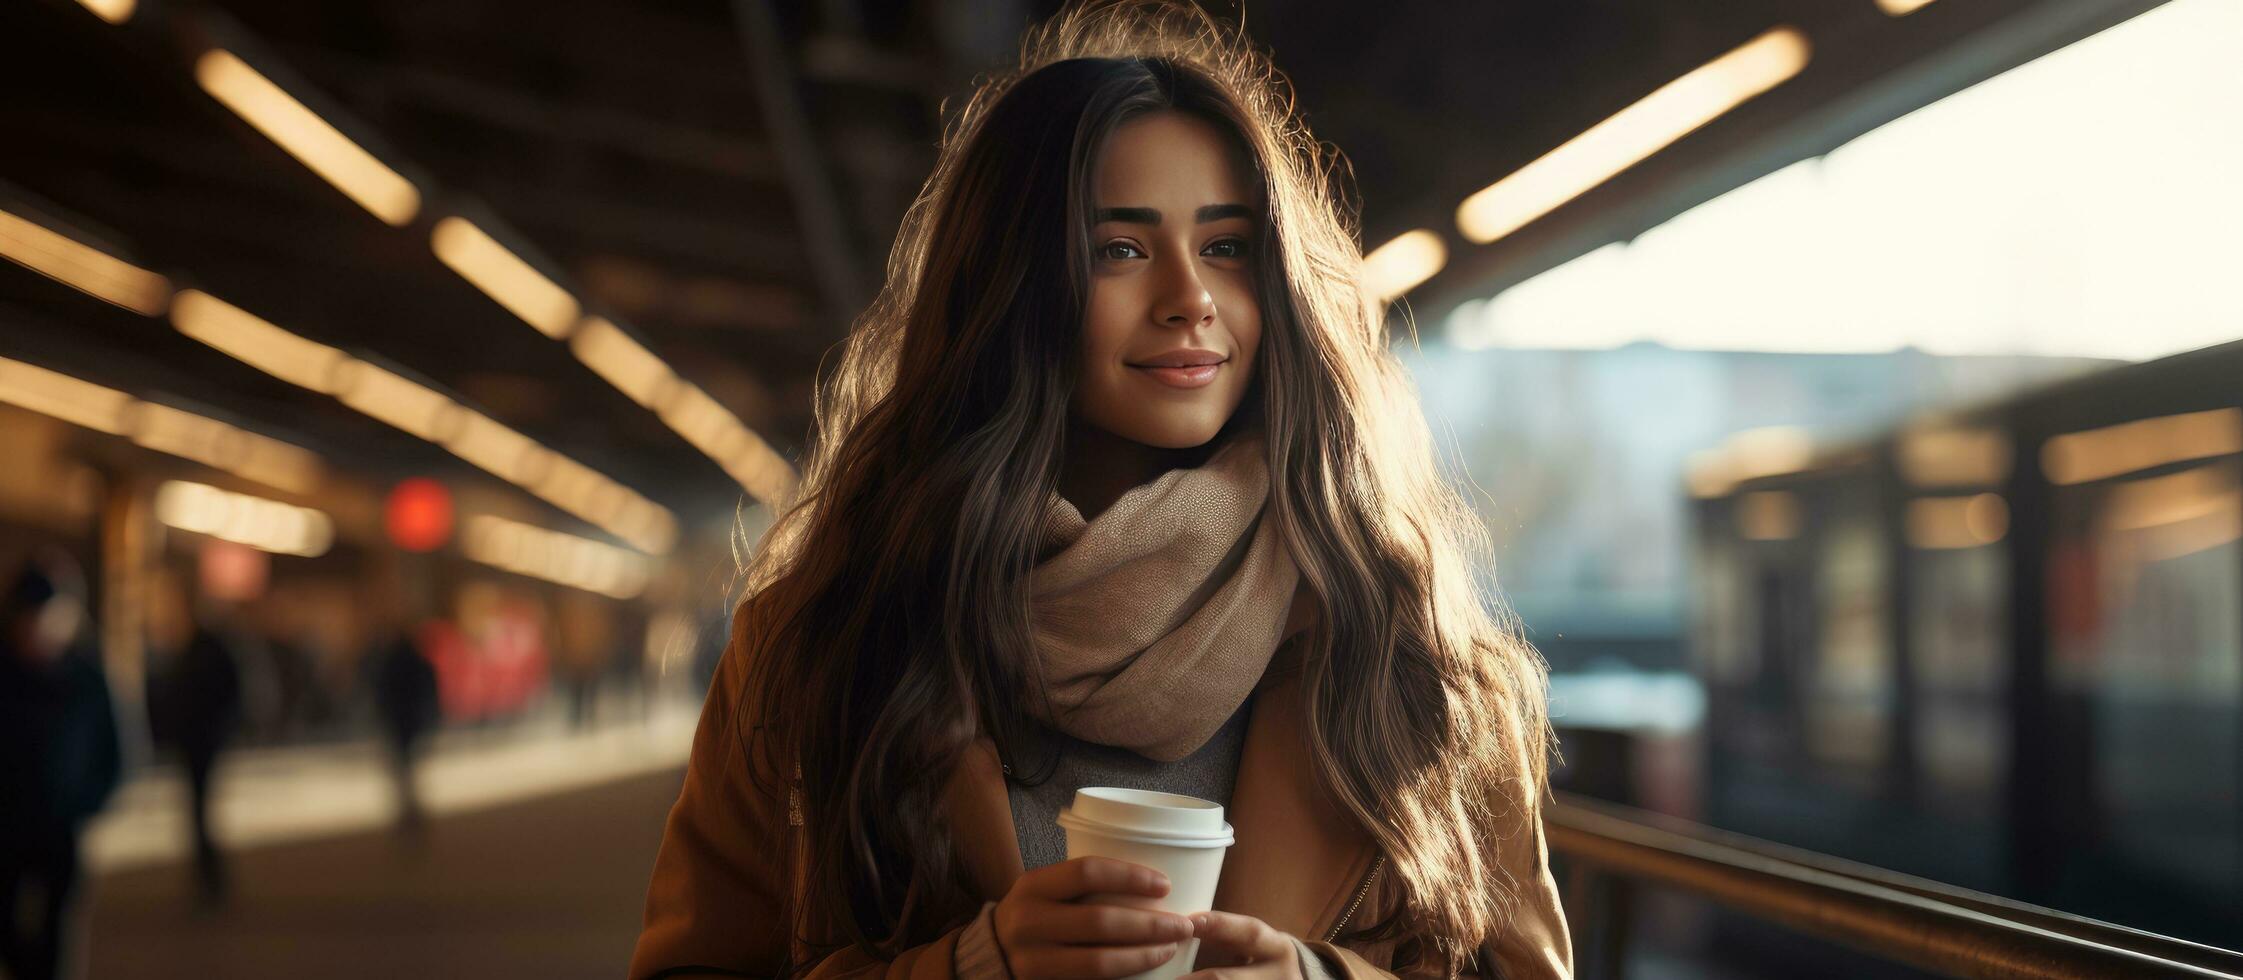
pixel 887 622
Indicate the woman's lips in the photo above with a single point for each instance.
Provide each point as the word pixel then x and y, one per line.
pixel 1196 376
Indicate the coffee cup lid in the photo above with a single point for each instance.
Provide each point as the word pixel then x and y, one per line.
pixel 1147 816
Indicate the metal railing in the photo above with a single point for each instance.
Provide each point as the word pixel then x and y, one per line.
pixel 1896 917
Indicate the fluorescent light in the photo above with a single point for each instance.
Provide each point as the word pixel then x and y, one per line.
pixel 1771 515
pixel 2065 139
pixel 284 355
pixel 562 482
pixel 82 267
pixel 159 427
pixel 641 519
pixel 1947 523
pixel 2175 498
pixel 278 464
pixel 391 398
pixel 624 362
pixel 1401 265
pixel 1632 134
pixel 504 277
pixel 1748 455
pixel 267 525
pixel 2165 517
pixel 113 11
pixel 1954 457
pixel 1707 474
pixel 704 422
pixel 616 356
pixel 2096 454
pixel 307 137
pixel 1901 8
pixel 717 433
pixel 221 446
pixel 64 397
pixel 611 506
pixel 571 486
pixel 420 411
pixel 503 452
pixel 564 559
pixel 761 470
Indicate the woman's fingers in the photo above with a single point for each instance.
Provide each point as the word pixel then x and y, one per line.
pixel 1101 925
pixel 1097 962
pixel 1081 876
pixel 1241 938
pixel 1046 934
pixel 1257 971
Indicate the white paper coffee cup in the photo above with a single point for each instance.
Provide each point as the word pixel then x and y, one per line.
pixel 1183 837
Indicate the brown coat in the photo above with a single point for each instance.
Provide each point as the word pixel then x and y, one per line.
pixel 716 905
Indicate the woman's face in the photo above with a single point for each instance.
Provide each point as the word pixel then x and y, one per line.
pixel 1171 329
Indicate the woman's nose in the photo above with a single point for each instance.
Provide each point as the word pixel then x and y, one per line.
pixel 1184 301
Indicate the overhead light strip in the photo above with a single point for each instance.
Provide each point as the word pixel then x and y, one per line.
pixel 312 140
pixel 694 414
pixel 113 11
pixel 82 267
pixel 1403 264
pixel 266 525
pixel 2128 447
pixel 564 559
pixel 497 270
pixel 158 427
pixel 367 387
pixel 431 415
pixel 504 276
pixel 284 355
pixel 1634 133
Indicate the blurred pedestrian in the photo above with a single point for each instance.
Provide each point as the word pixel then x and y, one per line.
pixel 59 762
pixel 405 702
pixel 201 696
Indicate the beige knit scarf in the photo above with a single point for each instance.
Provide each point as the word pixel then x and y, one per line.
pixel 1155 621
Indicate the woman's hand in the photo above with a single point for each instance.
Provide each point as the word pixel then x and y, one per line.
pixel 1241 947
pixel 1044 932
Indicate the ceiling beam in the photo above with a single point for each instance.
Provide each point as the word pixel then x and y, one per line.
pixel 686 147
pixel 817 205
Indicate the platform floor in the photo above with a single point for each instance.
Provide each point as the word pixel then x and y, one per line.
pixel 548 888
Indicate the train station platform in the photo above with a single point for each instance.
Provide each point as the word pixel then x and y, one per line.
pixel 277 795
pixel 534 861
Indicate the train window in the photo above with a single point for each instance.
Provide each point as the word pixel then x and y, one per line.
pixel 2145 599
pixel 1727 655
pixel 1849 694
pixel 1959 638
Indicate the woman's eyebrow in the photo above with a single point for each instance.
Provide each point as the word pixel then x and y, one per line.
pixel 1134 216
pixel 1148 216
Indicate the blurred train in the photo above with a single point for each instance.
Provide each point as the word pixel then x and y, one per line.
pixel 2000 647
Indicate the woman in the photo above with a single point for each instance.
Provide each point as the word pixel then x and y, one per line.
pixel 1116 483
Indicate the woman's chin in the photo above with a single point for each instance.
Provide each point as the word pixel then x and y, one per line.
pixel 1189 435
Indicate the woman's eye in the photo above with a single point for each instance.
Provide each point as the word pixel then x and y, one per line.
pixel 1119 250
pixel 1228 248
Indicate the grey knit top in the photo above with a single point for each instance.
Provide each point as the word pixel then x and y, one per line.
pixel 1207 773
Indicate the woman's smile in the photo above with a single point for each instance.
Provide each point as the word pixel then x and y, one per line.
pixel 1183 368
pixel 1183 377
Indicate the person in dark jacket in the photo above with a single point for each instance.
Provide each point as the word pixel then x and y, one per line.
pixel 59 762
pixel 202 706
pixel 405 699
